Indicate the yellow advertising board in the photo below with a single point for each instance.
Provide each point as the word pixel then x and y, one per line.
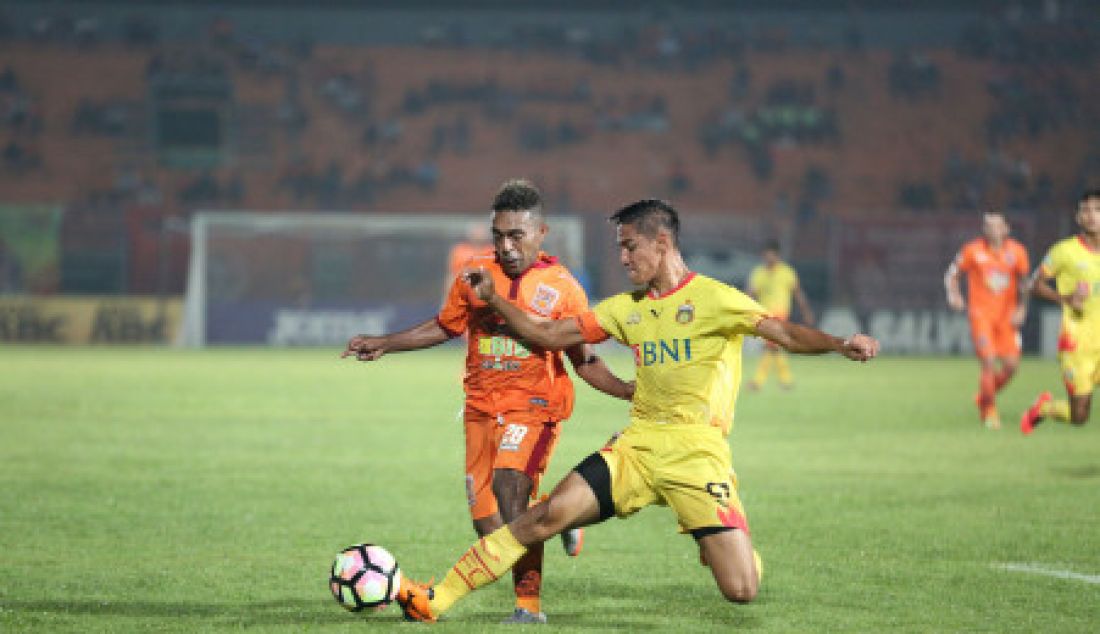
pixel 80 319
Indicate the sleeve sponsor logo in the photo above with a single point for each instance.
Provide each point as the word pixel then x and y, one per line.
pixel 546 297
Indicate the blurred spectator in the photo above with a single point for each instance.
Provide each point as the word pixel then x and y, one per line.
pixel 139 31
pixel 917 196
pixel 913 76
pixel 678 180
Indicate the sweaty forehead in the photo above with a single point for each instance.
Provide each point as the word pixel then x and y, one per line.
pixel 506 221
pixel 626 232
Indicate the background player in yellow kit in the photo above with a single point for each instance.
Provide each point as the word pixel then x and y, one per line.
pixel 774 283
pixel 1074 265
pixel 686 332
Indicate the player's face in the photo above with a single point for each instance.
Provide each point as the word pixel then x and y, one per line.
pixel 994 228
pixel 1088 216
pixel 517 238
pixel 639 254
pixel 771 257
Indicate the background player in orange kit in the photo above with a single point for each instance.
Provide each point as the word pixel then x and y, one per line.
pixel 476 243
pixel 516 397
pixel 996 268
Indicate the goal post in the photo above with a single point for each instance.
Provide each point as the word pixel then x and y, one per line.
pixel 292 278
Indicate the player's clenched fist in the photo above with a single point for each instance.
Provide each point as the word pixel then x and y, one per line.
pixel 480 281
pixel 364 348
pixel 860 348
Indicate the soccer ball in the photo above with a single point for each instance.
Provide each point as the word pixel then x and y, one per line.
pixel 364 576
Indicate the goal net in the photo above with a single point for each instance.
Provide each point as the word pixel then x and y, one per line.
pixel 319 278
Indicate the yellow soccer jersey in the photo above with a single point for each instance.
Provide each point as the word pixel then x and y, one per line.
pixel 1073 264
pixel 687 348
pixel 774 287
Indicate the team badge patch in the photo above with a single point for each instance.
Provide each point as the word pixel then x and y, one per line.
pixel 685 314
pixel 546 297
pixel 633 319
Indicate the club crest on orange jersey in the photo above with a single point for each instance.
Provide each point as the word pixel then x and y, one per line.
pixel 685 314
pixel 546 297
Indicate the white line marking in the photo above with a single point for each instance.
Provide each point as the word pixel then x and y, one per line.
pixel 1040 569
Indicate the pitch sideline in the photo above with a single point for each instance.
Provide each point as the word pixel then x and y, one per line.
pixel 1042 569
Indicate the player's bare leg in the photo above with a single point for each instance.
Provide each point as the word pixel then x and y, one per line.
pixel 512 489
pixel 1008 367
pixel 1080 406
pixel 486 525
pixel 571 504
pixel 732 561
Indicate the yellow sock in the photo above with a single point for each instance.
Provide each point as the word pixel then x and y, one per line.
pixel 785 376
pixel 1058 410
pixel 763 368
pixel 759 565
pixel 489 558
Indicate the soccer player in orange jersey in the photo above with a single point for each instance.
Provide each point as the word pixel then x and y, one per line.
pixel 516 396
pixel 475 244
pixel 996 268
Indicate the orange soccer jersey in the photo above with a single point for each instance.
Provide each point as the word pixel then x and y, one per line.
pixel 504 376
pixel 992 277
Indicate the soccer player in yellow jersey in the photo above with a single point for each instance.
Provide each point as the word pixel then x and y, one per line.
pixel 686 332
pixel 774 283
pixel 1074 265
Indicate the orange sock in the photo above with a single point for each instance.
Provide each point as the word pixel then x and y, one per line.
pixel 987 392
pixel 527 579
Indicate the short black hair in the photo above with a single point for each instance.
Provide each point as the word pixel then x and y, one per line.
pixel 518 195
pixel 650 216
pixel 1088 195
pixel 772 245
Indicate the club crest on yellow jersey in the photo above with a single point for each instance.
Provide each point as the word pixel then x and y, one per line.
pixel 685 314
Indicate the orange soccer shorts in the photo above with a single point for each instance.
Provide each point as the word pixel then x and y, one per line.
pixel 994 338
pixel 504 442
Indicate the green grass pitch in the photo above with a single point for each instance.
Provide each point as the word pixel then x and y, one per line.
pixel 162 490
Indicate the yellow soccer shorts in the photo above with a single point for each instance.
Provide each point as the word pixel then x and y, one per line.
pixel 685 467
pixel 1080 371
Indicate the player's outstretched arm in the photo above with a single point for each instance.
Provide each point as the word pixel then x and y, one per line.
pixel 370 348
pixel 556 334
pixel 951 285
pixel 805 340
pixel 1019 316
pixel 594 371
